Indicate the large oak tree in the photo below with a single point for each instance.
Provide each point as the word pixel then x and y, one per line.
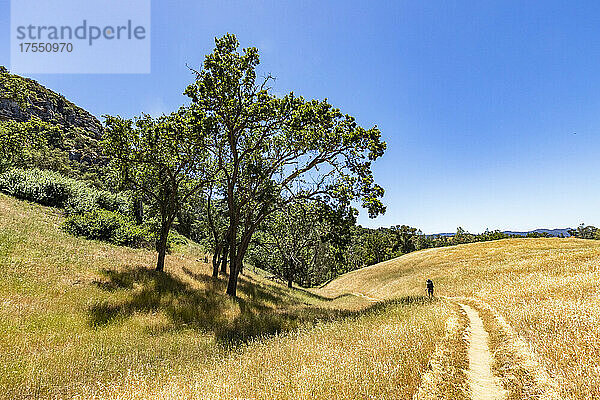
pixel 275 150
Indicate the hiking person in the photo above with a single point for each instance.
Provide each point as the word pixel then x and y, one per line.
pixel 429 288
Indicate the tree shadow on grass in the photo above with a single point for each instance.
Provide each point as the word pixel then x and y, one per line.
pixel 152 291
pixel 208 309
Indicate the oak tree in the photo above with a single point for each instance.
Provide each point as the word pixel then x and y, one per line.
pixel 163 160
pixel 275 150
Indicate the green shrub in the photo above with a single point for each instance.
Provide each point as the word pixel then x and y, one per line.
pixel 108 226
pixel 92 213
pixel 52 189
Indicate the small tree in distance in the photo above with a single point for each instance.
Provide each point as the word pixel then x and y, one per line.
pixel 584 231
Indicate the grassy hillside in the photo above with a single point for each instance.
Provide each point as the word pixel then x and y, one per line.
pixel 89 319
pixel 547 289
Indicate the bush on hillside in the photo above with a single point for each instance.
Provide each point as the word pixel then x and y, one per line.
pixel 52 189
pixel 108 226
pixel 92 213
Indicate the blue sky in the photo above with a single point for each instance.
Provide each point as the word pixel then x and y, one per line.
pixel 490 109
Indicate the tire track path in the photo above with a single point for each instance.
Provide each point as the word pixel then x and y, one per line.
pixel 482 382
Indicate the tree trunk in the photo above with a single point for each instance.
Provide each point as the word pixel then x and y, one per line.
pixel 161 248
pixel 138 210
pixel 161 245
pixel 233 265
pixel 216 261
pixel 224 259
pixel 289 269
pixel 233 278
pixel 160 264
pixel 236 259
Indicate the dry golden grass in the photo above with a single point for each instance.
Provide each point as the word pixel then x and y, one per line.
pixel 515 363
pixel 90 320
pixel 380 355
pixel 546 289
pixel 81 319
pixel 446 380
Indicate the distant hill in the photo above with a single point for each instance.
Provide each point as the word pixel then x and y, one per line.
pixel 552 232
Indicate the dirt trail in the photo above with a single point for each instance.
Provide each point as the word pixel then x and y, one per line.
pixel 482 382
pixel 364 296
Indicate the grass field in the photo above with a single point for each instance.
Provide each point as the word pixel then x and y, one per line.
pixel 546 289
pixel 90 320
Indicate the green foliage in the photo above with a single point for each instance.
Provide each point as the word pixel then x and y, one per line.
pixel 462 236
pixel 585 232
pixel 406 238
pixel 378 245
pixel 493 235
pixel 272 151
pixel 13 87
pixel 27 93
pixel 19 141
pixel 303 242
pixel 94 214
pixel 38 144
pixel 45 132
pixel 161 159
pixel 52 189
pixel 108 226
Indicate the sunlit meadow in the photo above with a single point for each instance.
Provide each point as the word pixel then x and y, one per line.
pixel 90 320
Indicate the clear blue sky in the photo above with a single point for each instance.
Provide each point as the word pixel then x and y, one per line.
pixel 491 110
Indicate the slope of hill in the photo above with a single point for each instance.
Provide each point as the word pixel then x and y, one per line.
pixel 33 99
pixel 90 320
pixel 23 98
pixel 547 290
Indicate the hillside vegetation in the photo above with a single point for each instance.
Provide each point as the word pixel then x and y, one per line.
pixel 21 98
pixel 41 128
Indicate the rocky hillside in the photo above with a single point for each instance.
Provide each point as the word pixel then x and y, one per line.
pixel 37 100
pixel 23 98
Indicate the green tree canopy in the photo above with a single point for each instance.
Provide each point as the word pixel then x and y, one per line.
pixel 276 150
pixel 163 159
pixel 20 141
pixel 304 242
